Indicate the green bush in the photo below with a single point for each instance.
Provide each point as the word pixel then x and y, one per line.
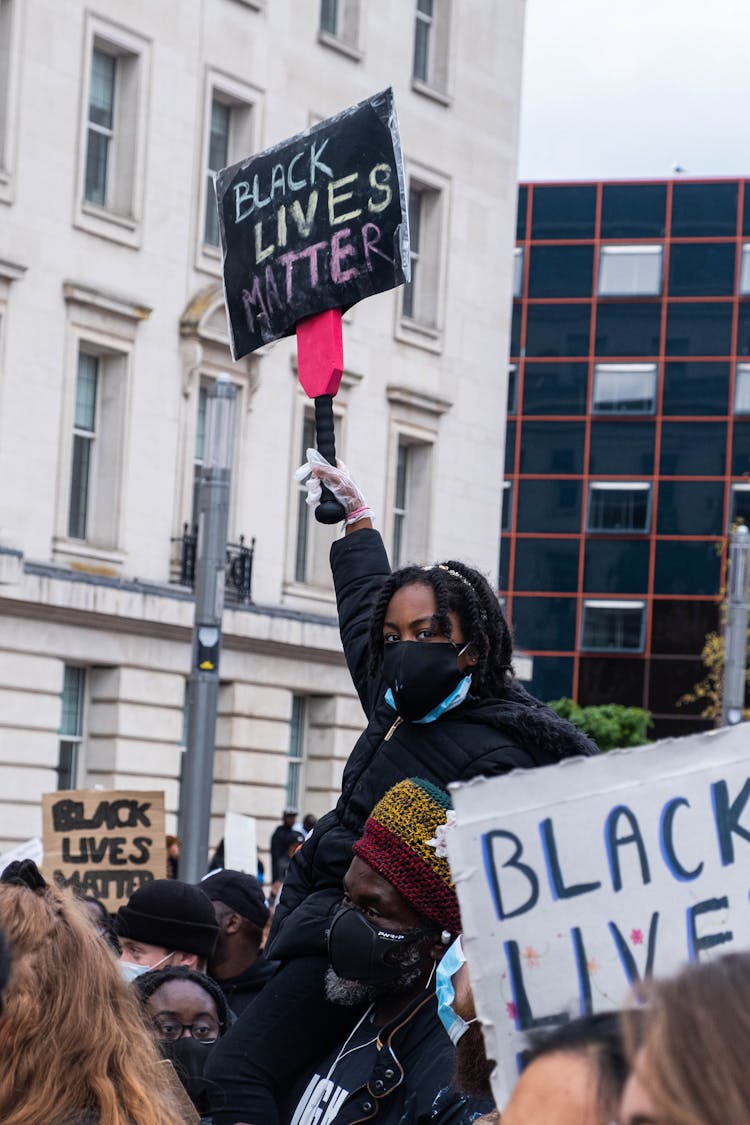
pixel 610 726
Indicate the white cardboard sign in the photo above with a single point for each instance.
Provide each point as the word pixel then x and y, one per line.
pixel 578 879
pixel 240 843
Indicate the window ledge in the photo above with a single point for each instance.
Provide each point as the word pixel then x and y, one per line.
pixel 326 39
pixel 421 335
pixel 309 593
pixel 74 293
pixel 428 91
pixel 429 404
pixel 256 5
pixel 6 186
pixel 108 224
pixel 86 557
pixel 11 271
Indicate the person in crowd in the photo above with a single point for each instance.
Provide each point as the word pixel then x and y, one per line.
pixel 72 1042
pixel 238 964
pixel 101 920
pixel 688 1048
pixel 398 915
pixel 284 842
pixel 4 967
pixel 308 823
pixel 430 654
pixel 187 1013
pixel 165 922
pixel 173 857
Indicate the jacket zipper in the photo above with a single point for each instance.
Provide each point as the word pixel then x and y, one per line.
pixel 397 723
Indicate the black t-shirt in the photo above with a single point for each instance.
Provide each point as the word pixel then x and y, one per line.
pixel 345 1069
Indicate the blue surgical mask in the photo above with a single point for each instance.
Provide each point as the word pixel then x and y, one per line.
pixel 448 966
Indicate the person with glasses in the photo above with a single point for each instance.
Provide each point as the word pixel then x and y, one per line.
pixel 186 1013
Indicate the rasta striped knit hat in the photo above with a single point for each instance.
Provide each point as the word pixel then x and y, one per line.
pixel 400 844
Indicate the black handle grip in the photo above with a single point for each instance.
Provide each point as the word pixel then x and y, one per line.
pixel 329 510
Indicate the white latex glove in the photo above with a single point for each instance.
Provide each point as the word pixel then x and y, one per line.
pixel 341 484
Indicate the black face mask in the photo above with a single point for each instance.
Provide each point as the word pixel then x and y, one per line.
pixel 360 951
pixel 421 674
pixel 188 1057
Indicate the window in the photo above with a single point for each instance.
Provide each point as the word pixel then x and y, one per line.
pixel 69 764
pixel 699 328
pixel 340 20
pixel 680 626
pixel 411 501
pixel 295 757
pixel 113 132
pixel 10 54
pixel 633 210
pixel 229 133
pixel 555 388
pixel 517 271
pixel 745 269
pixel 740 505
pixel 602 681
pixel 630 271
pixel 558 330
pixel 690 507
pixel 615 566
pixel 200 438
pixel 218 158
pixel 619 507
pixel 613 626
pixel 541 623
pixel 704 209
pixel 561 271
pixel 624 388
pixel 84 433
pixel 546 506
pixel 693 449
pixel 701 269
pixel 742 389
pixel 512 388
pixel 547 564
pixel 564 212
pixel 431 43
pixel 621 448
pixel 552 447
pixel 420 297
pixel 95 458
pixel 506 516
pixel 696 387
pixel 313 540
pixel 630 328
pixel 685 567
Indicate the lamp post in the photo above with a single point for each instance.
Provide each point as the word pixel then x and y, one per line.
pixel 735 635
pixel 203 683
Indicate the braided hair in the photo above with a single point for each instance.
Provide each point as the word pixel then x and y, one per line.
pixel 466 592
pixel 147 984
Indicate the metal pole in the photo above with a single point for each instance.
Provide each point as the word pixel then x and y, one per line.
pixel 203 684
pixel 735 634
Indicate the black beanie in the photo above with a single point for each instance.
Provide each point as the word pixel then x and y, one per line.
pixel 172 914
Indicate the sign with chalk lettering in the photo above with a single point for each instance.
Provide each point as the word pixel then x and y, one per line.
pixel 576 880
pixel 317 222
pixel 104 843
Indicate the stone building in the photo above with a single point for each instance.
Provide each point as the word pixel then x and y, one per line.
pixel 113 116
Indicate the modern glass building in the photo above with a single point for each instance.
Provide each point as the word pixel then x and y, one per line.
pixel 628 439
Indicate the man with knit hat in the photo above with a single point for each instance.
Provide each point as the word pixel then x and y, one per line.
pixel 398 916
pixel 165 922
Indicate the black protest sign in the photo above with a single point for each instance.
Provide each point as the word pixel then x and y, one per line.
pixel 104 843
pixel 317 222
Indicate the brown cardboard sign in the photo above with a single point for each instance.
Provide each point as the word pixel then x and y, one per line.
pixel 104 843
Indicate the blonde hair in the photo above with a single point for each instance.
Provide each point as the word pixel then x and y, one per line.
pixel 72 1039
pixel 690 1052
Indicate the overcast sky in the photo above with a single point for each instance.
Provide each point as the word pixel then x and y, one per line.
pixel 631 87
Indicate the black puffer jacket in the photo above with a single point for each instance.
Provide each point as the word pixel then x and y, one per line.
pixel 481 736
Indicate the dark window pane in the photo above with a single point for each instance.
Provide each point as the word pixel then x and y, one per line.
pixel 693 449
pixel 547 564
pixel 696 388
pixel 515 330
pixel 739 509
pixel 746 216
pixel 79 487
pixel 678 726
pixel 633 210
pixel 544 623
pixel 669 680
pixel 549 505
pixel 564 212
pixel 510 447
pixel 743 326
pixel 681 626
pixel 615 567
pixel 699 329
pixel 701 269
pixel 523 195
pixel 690 507
pixel 97 157
pixel 611 626
pixel 558 330
pixel 555 388
pixel 628 329
pixel 561 271
pixel 740 449
pixel 621 448
pixel 503 563
pixel 704 209
pixel 552 677
pixel 686 568
pixel 552 447
pixel 604 679
pixel 622 508
pixel 512 388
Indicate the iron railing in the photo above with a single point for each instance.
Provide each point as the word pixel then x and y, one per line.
pixel 239 564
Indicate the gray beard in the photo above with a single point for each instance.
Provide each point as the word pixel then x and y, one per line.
pixel 352 993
